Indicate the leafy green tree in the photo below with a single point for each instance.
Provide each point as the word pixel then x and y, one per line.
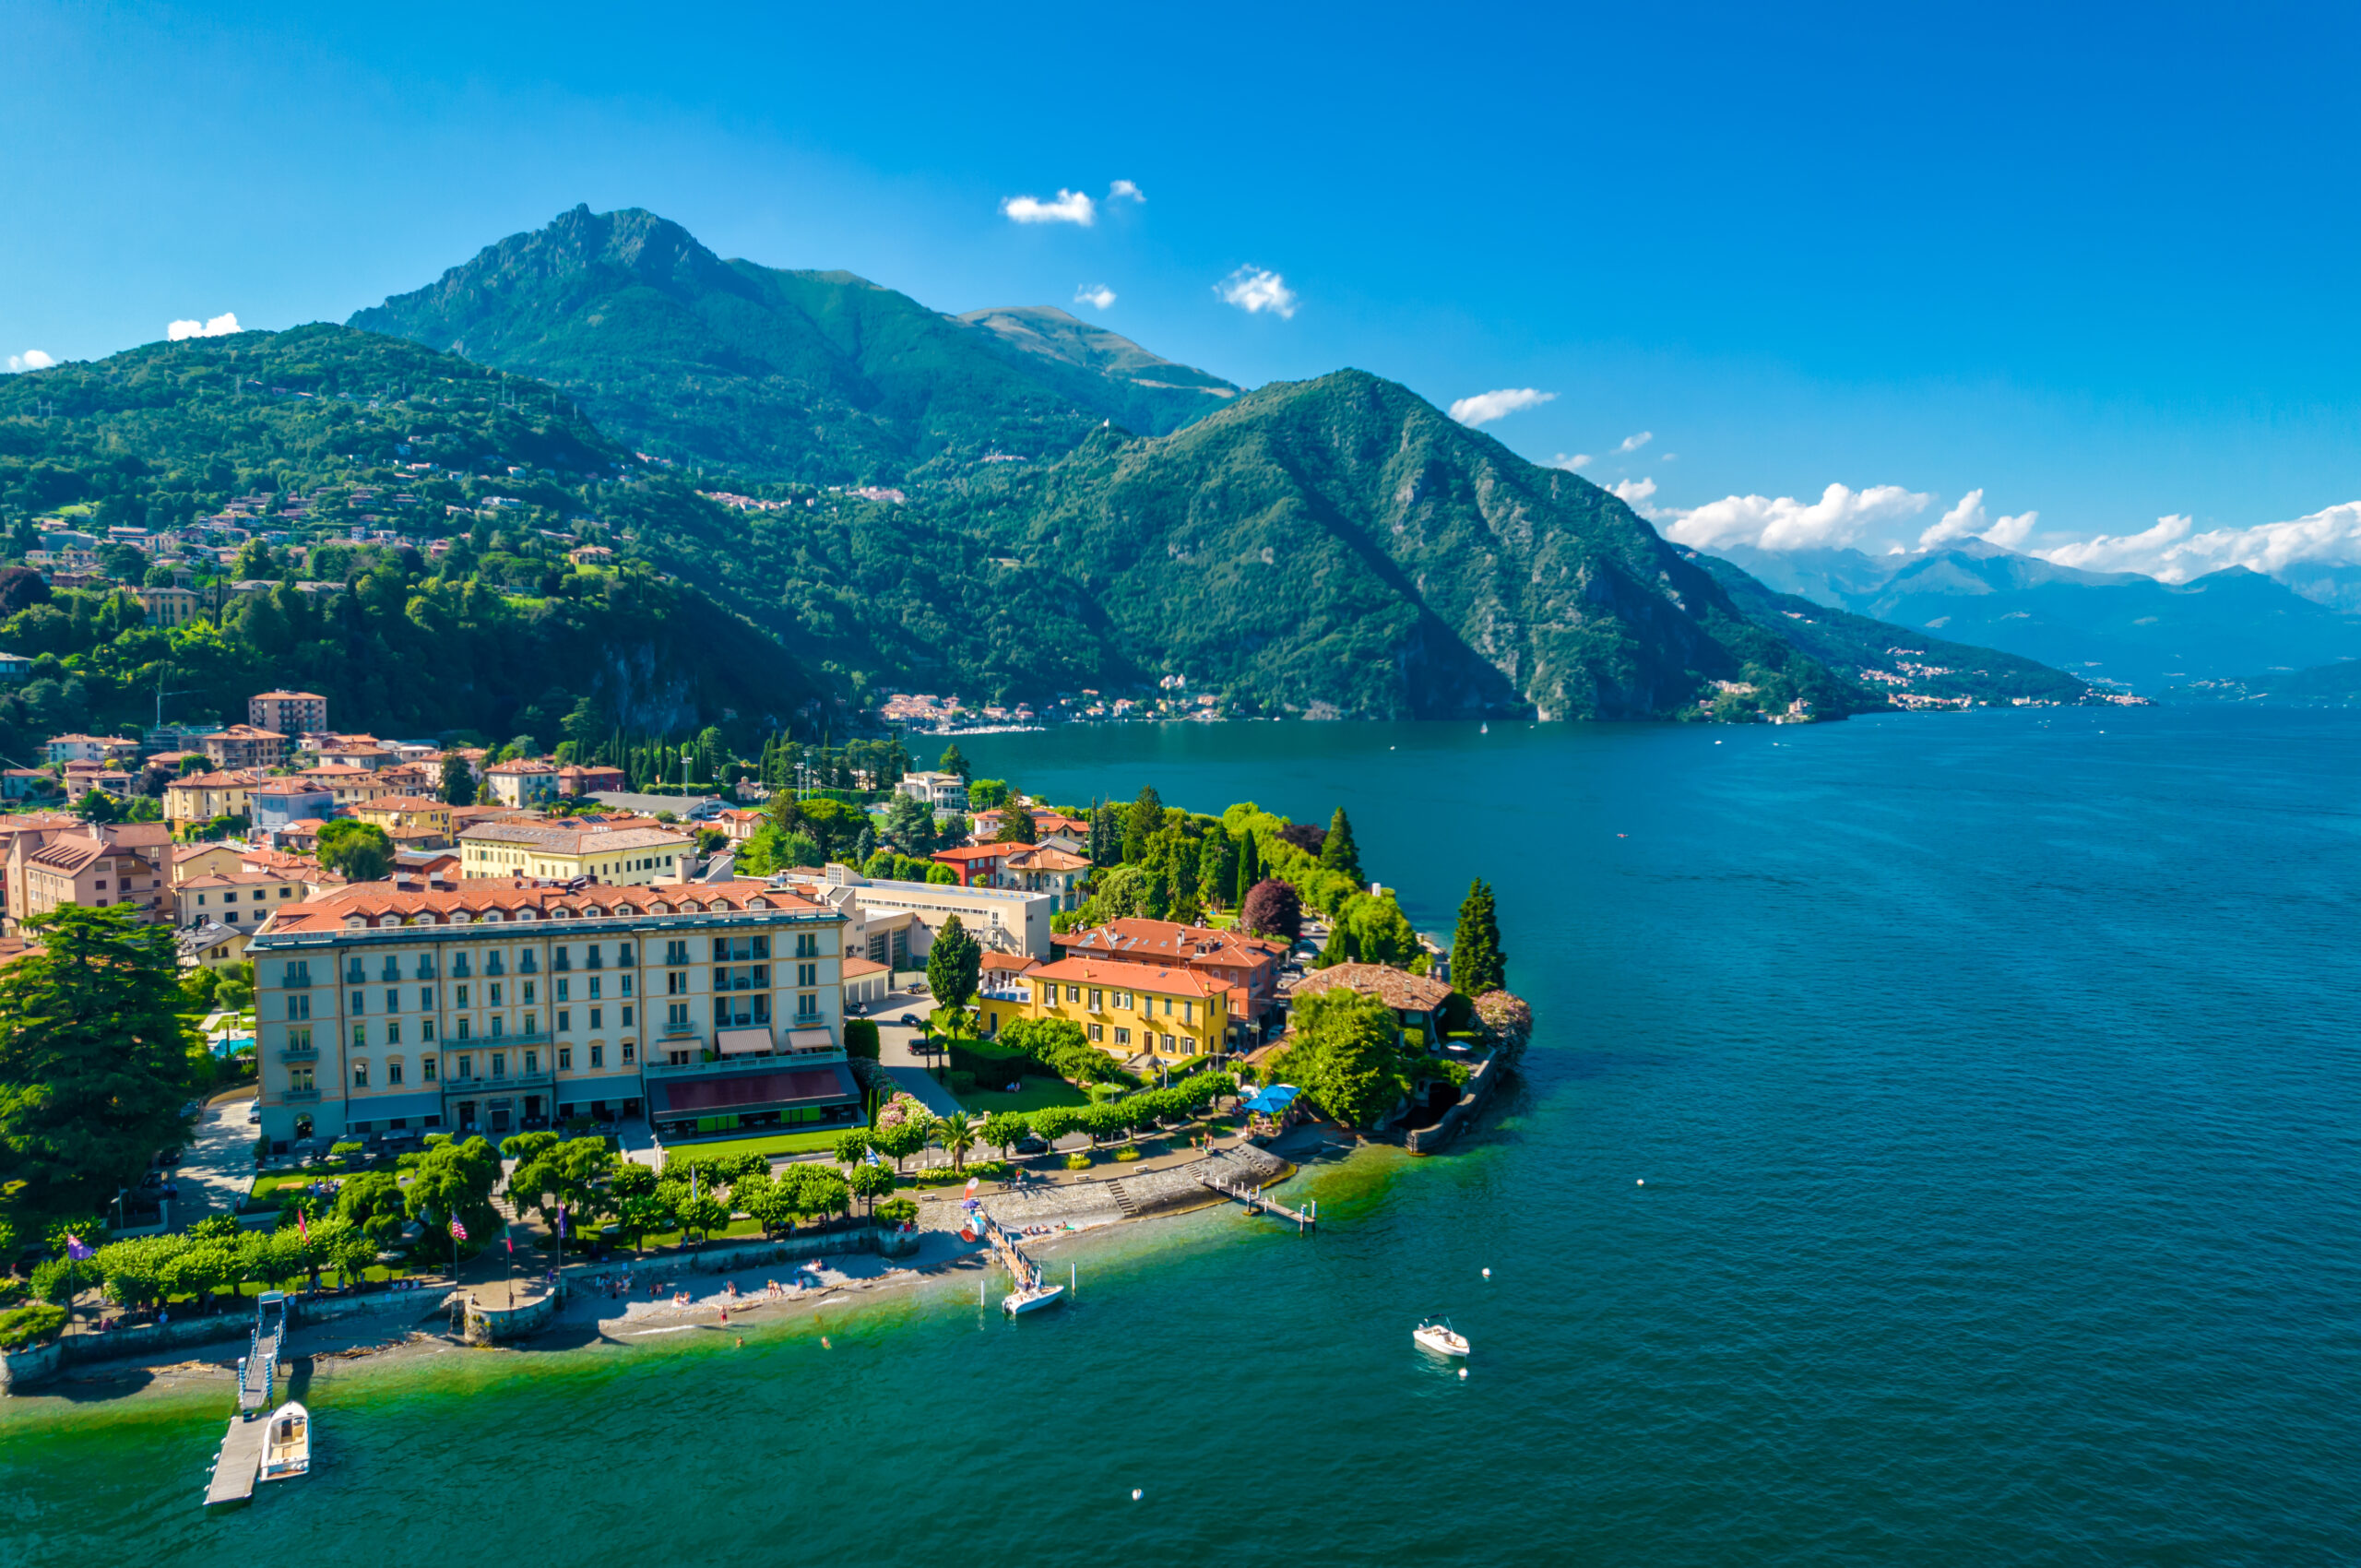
pixel 1478 965
pixel 941 875
pixel 372 1204
pixel 909 825
pixel 362 852
pixel 903 1128
pixel 852 1146
pixel 201 1269
pixel 458 781
pixel 1217 858
pixel 1054 1121
pixel 94 1057
pixel 986 794
pixel 629 1179
pixel 641 1212
pixel 704 1214
pixel 1003 1130
pixel 570 1175
pixel 951 761
pixel 454 1180
pixel 1347 1055
pixel 1337 851
pixel 1017 827
pixel 953 964
pixel 869 1183
pixel 1142 822
pixel 818 1193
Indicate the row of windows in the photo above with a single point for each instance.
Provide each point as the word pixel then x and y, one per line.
pixel 391 1029
pixel 1186 1045
pixel 1122 1001
pixel 562 991
pixel 296 974
pixel 463 1066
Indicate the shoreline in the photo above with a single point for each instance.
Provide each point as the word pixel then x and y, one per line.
pixel 592 1318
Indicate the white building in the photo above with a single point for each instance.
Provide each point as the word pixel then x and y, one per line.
pixel 944 791
pixel 1003 919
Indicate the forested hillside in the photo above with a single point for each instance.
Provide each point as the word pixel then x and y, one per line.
pixel 819 376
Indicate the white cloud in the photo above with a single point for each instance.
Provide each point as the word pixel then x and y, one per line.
pixel 1486 407
pixel 2175 551
pixel 1633 442
pixel 32 359
pixel 1101 297
pixel 1071 207
pixel 1838 517
pixel 1631 492
pixel 1123 190
pixel 1572 461
pixel 1255 289
pixel 219 326
pixel 1967 520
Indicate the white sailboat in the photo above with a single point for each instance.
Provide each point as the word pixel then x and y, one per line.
pixel 287 1451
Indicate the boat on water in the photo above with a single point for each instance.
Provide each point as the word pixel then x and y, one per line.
pixel 1439 1337
pixel 1032 1297
pixel 287 1451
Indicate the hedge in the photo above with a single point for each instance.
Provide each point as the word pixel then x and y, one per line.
pixel 30 1323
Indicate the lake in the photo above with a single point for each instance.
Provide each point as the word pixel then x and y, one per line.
pixel 1991 1078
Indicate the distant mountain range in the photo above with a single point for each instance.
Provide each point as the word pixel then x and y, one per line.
pixel 820 377
pixel 2119 627
pixel 2322 685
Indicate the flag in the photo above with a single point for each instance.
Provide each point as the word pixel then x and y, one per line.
pixel 76 1248
pixel 561 1222
pixel 971 1188
pixel 871 1155
pixel 301 1228
pixel 510 1242
pixel 458 1231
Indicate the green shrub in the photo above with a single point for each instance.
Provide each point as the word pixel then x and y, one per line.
pixel 30 1323
pixel 896 1211
pixel 408 1161
pixel 1077 1161
pixel 50 1279
pixel 344 1150
pixel 1127 1154
pixel 861 1039
pixel 963 1083
pixel 435 1140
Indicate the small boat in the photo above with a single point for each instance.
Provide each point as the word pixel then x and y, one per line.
pixel 287 1449
pixel 1440 1338
pixel 1032 1297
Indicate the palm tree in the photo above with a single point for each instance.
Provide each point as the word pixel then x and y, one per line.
pixel 957 1133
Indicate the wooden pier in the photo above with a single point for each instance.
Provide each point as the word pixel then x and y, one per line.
pixel 240 1461
pixel 1305 1219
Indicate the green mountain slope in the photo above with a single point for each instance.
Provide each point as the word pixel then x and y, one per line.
pixel 820 377
pixel 2320 685
pixel 502 632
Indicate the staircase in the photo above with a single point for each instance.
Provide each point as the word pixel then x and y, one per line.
pixel 1123 1200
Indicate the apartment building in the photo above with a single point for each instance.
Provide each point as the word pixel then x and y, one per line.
pixel 495 1007
pixel 277 805
pixel 96 865
pixel 521 783
pixel 245 745
pixel 170 606
pixel 290 713
pixel 1251 964
pixel 627 856
pixel 241 899
pixel 201 797
pixel 944 791
pixel 91 748
pixel 349 786
pixel 394 812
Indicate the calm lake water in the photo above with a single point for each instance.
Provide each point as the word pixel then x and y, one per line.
pixel 1993 1082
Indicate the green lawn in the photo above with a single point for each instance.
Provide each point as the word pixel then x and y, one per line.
pixel 1032 1094
pixel 772 1142
pixel 327 1171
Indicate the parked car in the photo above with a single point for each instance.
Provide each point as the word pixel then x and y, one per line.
pixel 1032 1142
pixel 253 1114
pixel 909 1020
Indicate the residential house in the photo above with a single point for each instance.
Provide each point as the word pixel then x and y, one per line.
pixel 562 850
pixel 15 667
pixel 866 982
pixel 581 780
pixel 273 807
pixel 290 713
pixel 97 866
pixel 170 606
pixel 201 797
pixel 239 898
pixel 210 944
pixel 392 812
pixel 25 783
pixel 523 782
pixel 740 824
pixel 1131 1010
pixel 358 751
pixel 244 745
pixel 1416 1000
pixel 944 791
pixel 91 748
pixel 1002 919
pixel 202 859
pixel 349 786
pixel 112 779
pixel 495 1007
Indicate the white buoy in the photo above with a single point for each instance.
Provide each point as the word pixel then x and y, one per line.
pixel 1487 1274
pixel 1462 1371
pixel 1641 1183
pixel 1136 1494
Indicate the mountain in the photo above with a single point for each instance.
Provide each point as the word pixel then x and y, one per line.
pixel 2322 685
pixel 309 432
pixel 2117 626
pixel 820 377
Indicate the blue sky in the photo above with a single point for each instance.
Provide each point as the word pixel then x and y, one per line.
pixel 2097 264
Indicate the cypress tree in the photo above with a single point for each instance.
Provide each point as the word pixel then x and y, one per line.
pixel 1478 965
pixel 1141 821
pixel 1337 851
pixel 1249 863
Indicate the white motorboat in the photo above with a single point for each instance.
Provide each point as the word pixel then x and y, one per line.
pixel 1032 1297
pixel 287 1450
pixel 1440 1338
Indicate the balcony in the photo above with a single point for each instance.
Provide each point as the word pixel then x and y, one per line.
pixel 495 1082
pixel 298 1054
pixel 776 1062
pixel 299 1097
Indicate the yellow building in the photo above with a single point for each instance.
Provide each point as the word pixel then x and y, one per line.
pixel 390 812
pixel 201 797
pixel 1127 1010
pixel 624 857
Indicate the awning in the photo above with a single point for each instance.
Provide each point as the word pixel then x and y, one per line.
pixel 393 1107
pixel 831 1085
pixel 1279 1097
pixel 741 1042
pixel 589 1091
pixel 810 1039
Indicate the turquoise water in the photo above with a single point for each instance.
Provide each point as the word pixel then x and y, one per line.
pixel 1993 1082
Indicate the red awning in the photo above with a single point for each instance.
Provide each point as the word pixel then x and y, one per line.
pixel 811 1086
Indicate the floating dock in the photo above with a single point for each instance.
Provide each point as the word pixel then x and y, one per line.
pixel 1255 1202
pixel 235 1467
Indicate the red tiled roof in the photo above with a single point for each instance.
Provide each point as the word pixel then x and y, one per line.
pixel 375 901
pixel 1397 988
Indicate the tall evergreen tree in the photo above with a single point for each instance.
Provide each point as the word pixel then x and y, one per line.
pixel 458 781
pixel 953 964
pixel 954 761
pixel 1249 863
pixel 1337 851
pixel 94 1058
pixel 1141 821
pixel 1478 965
